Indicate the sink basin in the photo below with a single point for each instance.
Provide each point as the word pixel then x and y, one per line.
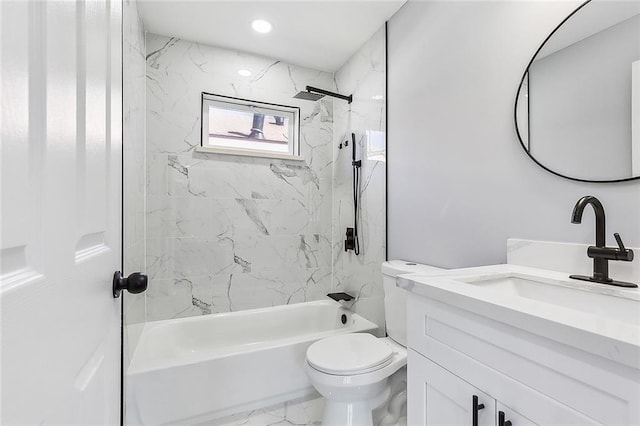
pixel 566 294
pixel 597 318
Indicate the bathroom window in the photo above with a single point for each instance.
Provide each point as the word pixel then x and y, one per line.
pixel 246 127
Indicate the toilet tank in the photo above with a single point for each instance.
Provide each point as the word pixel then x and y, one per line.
pixel 395 298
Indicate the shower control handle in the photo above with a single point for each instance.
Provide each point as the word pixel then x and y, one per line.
pixel 350 239
pixel 135 283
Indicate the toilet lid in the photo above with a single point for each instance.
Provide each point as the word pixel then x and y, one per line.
pixel 349 354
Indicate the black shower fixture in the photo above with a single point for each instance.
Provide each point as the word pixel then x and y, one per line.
pixel 352 241
pixel 313 94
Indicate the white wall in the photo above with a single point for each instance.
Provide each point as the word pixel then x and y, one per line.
pixel 459 182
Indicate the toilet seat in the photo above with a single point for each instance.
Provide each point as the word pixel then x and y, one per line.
pixel 335 381
pixel 349 354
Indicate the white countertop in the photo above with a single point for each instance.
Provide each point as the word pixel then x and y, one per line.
pixel 609 334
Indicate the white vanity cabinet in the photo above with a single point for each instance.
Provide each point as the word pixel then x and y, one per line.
pixel 455 354
pixel 437 397
pixel 509 417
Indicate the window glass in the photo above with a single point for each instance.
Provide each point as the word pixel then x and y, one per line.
pixel 240 125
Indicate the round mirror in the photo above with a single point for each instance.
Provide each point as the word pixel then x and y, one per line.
pixel 577 110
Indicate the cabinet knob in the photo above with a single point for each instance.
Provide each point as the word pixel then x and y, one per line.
pixel 474 410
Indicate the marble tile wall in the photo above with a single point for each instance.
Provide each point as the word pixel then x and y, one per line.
pixel 134 86
pixel 224 232
pixel 364 76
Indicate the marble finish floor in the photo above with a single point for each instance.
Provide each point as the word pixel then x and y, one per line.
pixel 301 412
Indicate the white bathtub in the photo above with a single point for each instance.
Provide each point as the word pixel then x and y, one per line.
pixel 195 369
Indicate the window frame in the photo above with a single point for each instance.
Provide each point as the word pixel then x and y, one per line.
pixel 291 111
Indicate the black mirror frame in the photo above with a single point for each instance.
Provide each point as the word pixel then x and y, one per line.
pixel 515 110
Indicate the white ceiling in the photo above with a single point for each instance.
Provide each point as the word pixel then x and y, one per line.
pixel 317 34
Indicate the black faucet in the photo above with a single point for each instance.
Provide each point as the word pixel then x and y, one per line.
pixel 600 253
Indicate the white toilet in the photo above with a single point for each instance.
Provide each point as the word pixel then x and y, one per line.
pixel 352 371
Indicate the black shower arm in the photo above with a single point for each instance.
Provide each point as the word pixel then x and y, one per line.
pixel 328 93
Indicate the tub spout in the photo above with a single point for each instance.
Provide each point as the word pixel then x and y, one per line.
pixel 340 297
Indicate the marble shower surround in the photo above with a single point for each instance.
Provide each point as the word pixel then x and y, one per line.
pixel 364 75
pixel 224 232
pixel 133 88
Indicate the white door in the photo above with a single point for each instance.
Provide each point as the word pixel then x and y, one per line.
pixel 439 398
pixel 61 212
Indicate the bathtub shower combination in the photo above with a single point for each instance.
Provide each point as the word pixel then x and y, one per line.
pixel 196 369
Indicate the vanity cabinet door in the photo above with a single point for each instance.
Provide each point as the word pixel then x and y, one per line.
pixel 439 398
pixel 506 416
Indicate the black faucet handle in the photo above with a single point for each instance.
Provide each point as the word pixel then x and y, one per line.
pixel 623 254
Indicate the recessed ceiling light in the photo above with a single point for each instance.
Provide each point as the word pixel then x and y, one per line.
pixel 377 97
pixel 244 73
pixel 261 26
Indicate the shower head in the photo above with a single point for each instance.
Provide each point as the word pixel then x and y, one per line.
pixel 308 96
pixel 313 94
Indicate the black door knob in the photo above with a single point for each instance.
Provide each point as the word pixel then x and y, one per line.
pixel 135 283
